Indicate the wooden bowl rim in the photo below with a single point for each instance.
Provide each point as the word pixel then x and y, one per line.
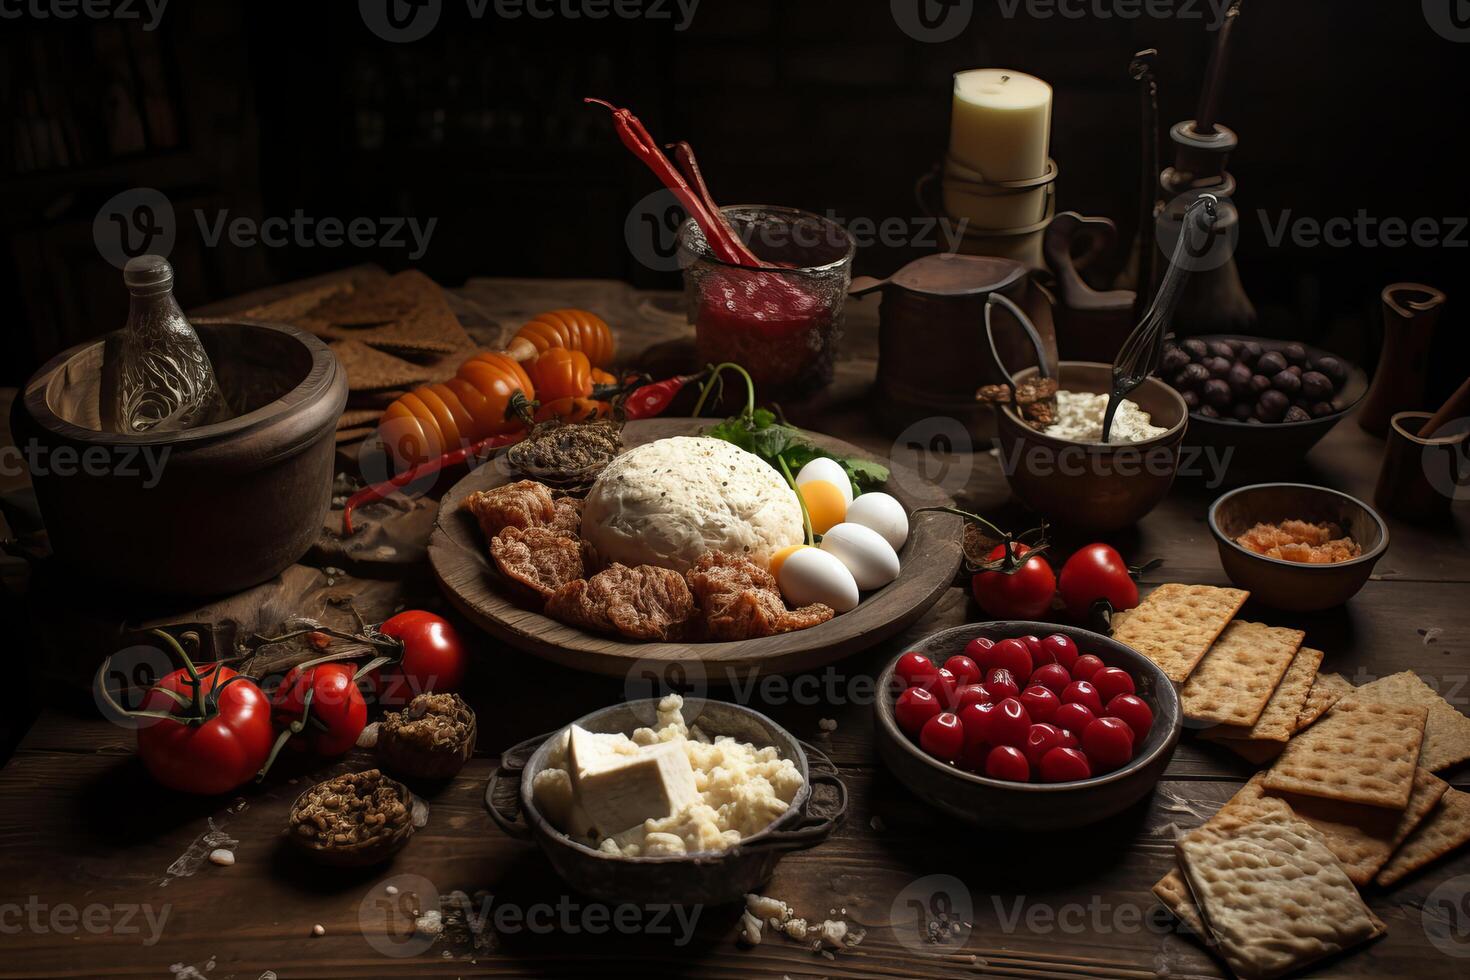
pixel 1366 558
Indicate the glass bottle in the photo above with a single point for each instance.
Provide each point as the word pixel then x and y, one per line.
pixel 156 376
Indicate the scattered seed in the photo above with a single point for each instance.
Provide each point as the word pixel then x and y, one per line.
pixel 318 930
pixel 222 856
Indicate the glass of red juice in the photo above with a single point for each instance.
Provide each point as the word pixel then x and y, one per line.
pixel 780 320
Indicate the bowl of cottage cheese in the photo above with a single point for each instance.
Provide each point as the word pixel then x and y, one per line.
pixel 1063 470
pixel 668 799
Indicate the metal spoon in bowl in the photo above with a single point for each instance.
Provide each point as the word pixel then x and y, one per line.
pixel 1139 356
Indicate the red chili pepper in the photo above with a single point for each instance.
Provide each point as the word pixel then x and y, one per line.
pixel 722 241
pixel 380 491
pixel 652 399
pixel 684 155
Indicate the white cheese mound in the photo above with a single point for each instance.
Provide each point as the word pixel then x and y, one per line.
pixel 670 501
pixel 1080 419
pixel 739 790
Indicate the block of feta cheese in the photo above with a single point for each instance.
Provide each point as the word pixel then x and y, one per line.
pixel 619 791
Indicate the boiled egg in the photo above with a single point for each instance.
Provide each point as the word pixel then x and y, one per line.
pixel 865 553
pixel 809 575
pixel 883 514
pixel 827 471
pixel 825 505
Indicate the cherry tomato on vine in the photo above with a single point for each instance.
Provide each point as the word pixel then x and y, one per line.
pixel 1096 572
pixel 1024 594
pixel 434 658
pixel 216 743
pixel 337 713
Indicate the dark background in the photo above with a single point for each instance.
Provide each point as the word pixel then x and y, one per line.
pixel 265 108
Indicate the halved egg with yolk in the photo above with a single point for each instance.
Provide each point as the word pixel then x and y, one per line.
pixel 779 558
pixel 825 504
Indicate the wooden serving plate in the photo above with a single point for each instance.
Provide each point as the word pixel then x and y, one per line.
pixel 930 558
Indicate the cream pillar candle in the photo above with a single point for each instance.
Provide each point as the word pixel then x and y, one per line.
pixel 1001 123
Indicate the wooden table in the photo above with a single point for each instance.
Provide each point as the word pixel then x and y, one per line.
pixel 89 841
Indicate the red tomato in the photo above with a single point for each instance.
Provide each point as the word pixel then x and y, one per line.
pixel 1085 666
pixel 434 657
pixel 1024 594
pixel 1007 724
pixel 1111 682
pixel 1008 762
pixel 1040 703
pixel 973 694
pixel 1011 655
pixel 1064 766
pixel 335 703
pixel 976 648
pixel 943 737
pixel 1058 649
pixel 1041 739
pixel 914 668
pixel 1108 743
pixel 965 670
pixel 915 706
pixel 1053 677
pixel 1083 693
pixel 219 754
pixel 1033 643
pixel 1096 572
pixel 1002 683
pixel 1073 718
pixel 1135 712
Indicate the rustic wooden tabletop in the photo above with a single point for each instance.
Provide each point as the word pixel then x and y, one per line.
pixel 103 871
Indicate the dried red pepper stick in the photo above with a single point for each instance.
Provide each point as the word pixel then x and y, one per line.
pixel 635 137
pixel 644 402
pixel 684 156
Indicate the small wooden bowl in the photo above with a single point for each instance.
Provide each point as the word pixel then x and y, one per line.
pixel 1294 585
pixel 373 851
pixel 411 761
pixel 1093 487
pixel 1003 805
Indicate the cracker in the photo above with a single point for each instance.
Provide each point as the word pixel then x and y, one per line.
pixel 1361 752
pixel 1446 733
pixel 1239 674
pixel 1172 891
pixel 1176 624
pixel 290 309
pixel 1327 690
pixel 407 312
pixel 1446 828
pixel 1362 838
pixel 1278 720
pixel 1273 895
pixel 369 369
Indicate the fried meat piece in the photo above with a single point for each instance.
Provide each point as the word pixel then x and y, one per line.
pixel 642 603
pixel 738 600
pixel 568 519
pixel 524 504
pixel 539 558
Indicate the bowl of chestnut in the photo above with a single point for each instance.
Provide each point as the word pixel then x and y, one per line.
pixel 1026 726
pixel 1271 399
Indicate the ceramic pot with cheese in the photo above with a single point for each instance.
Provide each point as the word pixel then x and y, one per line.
pixel 1064 471
pixel 666 799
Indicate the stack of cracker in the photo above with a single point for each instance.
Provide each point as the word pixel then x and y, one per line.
pixel 391 334
pixel 1350 798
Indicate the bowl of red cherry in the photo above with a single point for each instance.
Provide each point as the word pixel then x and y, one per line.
pixel 1026 726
